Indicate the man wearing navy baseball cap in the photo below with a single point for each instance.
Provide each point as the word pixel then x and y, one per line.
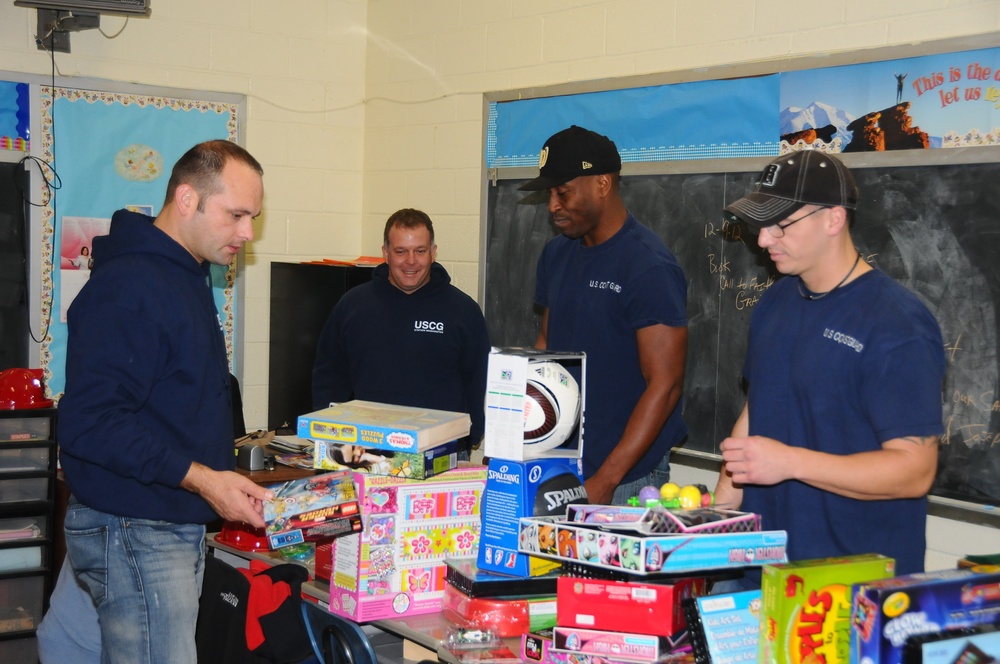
pixel 837 443
pixel 609 287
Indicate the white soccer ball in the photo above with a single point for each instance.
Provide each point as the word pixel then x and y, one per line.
pixel 551 407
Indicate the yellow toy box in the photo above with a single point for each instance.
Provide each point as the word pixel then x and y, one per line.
pixel 806 612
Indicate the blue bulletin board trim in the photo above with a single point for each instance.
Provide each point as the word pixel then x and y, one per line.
pixel 926 102
pixel 111 151
pixel 14 116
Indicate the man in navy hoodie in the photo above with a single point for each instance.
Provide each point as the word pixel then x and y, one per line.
pixel 407 337
pixel 145 426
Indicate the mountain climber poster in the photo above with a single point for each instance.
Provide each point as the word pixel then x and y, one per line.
pixel 939 101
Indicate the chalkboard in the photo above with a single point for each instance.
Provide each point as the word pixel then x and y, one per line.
pixel 935 228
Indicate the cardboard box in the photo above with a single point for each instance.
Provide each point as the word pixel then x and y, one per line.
pixel 888 612
pixel 311 509
pixel 537 647
pixel 506 388
pixel 515 489
pixel 409 465
pixel 659 520
pixel 649 554
pixel 508 617
pixel 384 426
pixel 625 606
pixel 626 646
pixel 395 566
pixel 806 607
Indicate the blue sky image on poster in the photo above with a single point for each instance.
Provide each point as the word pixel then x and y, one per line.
pixel 950 100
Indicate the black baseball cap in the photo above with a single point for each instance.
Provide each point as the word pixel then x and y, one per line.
pixel 572 153
pixel 792 181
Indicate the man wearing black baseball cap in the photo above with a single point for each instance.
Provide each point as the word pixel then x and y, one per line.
pixel 609 287
pixel 837 443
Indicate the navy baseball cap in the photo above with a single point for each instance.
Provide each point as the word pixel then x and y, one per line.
pixel 572 153
pixel 792 181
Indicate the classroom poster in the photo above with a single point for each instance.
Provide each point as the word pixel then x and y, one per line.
pixel 928 102
pixel 112 151
pixel 939 101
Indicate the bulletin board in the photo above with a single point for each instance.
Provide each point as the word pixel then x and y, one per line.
pixel 110 151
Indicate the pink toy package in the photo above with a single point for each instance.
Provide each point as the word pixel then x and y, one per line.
pixel 395 566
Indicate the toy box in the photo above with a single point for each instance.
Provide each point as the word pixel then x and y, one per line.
pixel 411 465
pixel 395 566
pixel 625 646
pixel 806 607
pixel 724 628
pixel 506 616
pixel 888 612
pixel 311 509
pixel 509 406
pixel 638 553
pixel 384 426
pixel 625 606
pixel 538 648
pixel 650 520
pixel 524 488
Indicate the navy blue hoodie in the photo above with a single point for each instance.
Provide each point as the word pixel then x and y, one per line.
pixel 427 349
pixel 147 378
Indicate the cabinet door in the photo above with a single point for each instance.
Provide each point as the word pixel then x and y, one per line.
pixel 302 297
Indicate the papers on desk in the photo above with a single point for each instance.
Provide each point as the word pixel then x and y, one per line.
pixel 295 460
pixel 292 444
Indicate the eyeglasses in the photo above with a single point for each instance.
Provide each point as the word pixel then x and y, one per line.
pixel 778 230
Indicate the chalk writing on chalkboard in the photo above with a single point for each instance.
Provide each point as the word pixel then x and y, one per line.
pixel 936 229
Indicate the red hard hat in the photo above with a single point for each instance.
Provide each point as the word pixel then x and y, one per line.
pixel 22 388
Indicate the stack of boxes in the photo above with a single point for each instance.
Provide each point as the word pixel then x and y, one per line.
pixel 517 486
pixel 393 564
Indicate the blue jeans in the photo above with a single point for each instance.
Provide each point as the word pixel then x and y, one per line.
pixel 69 631
pixel 658 476
pixel 145 580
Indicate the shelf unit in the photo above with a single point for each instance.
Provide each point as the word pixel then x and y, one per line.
pixel 27 522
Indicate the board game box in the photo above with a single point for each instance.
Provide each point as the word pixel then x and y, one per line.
pixel 806 607
pixel 312 508
pixel 410 465
pixel 642 554
pixel 887 612
pixel 384 426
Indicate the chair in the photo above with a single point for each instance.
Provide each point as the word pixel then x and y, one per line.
pixel 336 640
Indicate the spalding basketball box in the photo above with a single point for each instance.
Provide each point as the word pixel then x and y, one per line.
pixel 535 404
pixel 540 487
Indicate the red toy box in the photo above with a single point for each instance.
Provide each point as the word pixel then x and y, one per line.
pixel 625 606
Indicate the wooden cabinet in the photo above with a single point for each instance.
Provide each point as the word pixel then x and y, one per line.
pixel 27 524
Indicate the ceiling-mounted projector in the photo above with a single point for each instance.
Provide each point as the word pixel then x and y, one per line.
pixel 126 7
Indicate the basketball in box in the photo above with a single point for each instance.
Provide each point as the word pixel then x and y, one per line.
pixel 395 566
pixel 806 607
pixel 625 606
pixel 535 404
pixel 311 509
pixel 639 553
pixel 515 489
pixel 410 465
pixel 889 611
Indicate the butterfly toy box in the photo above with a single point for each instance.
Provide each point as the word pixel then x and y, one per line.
pixel 395 565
